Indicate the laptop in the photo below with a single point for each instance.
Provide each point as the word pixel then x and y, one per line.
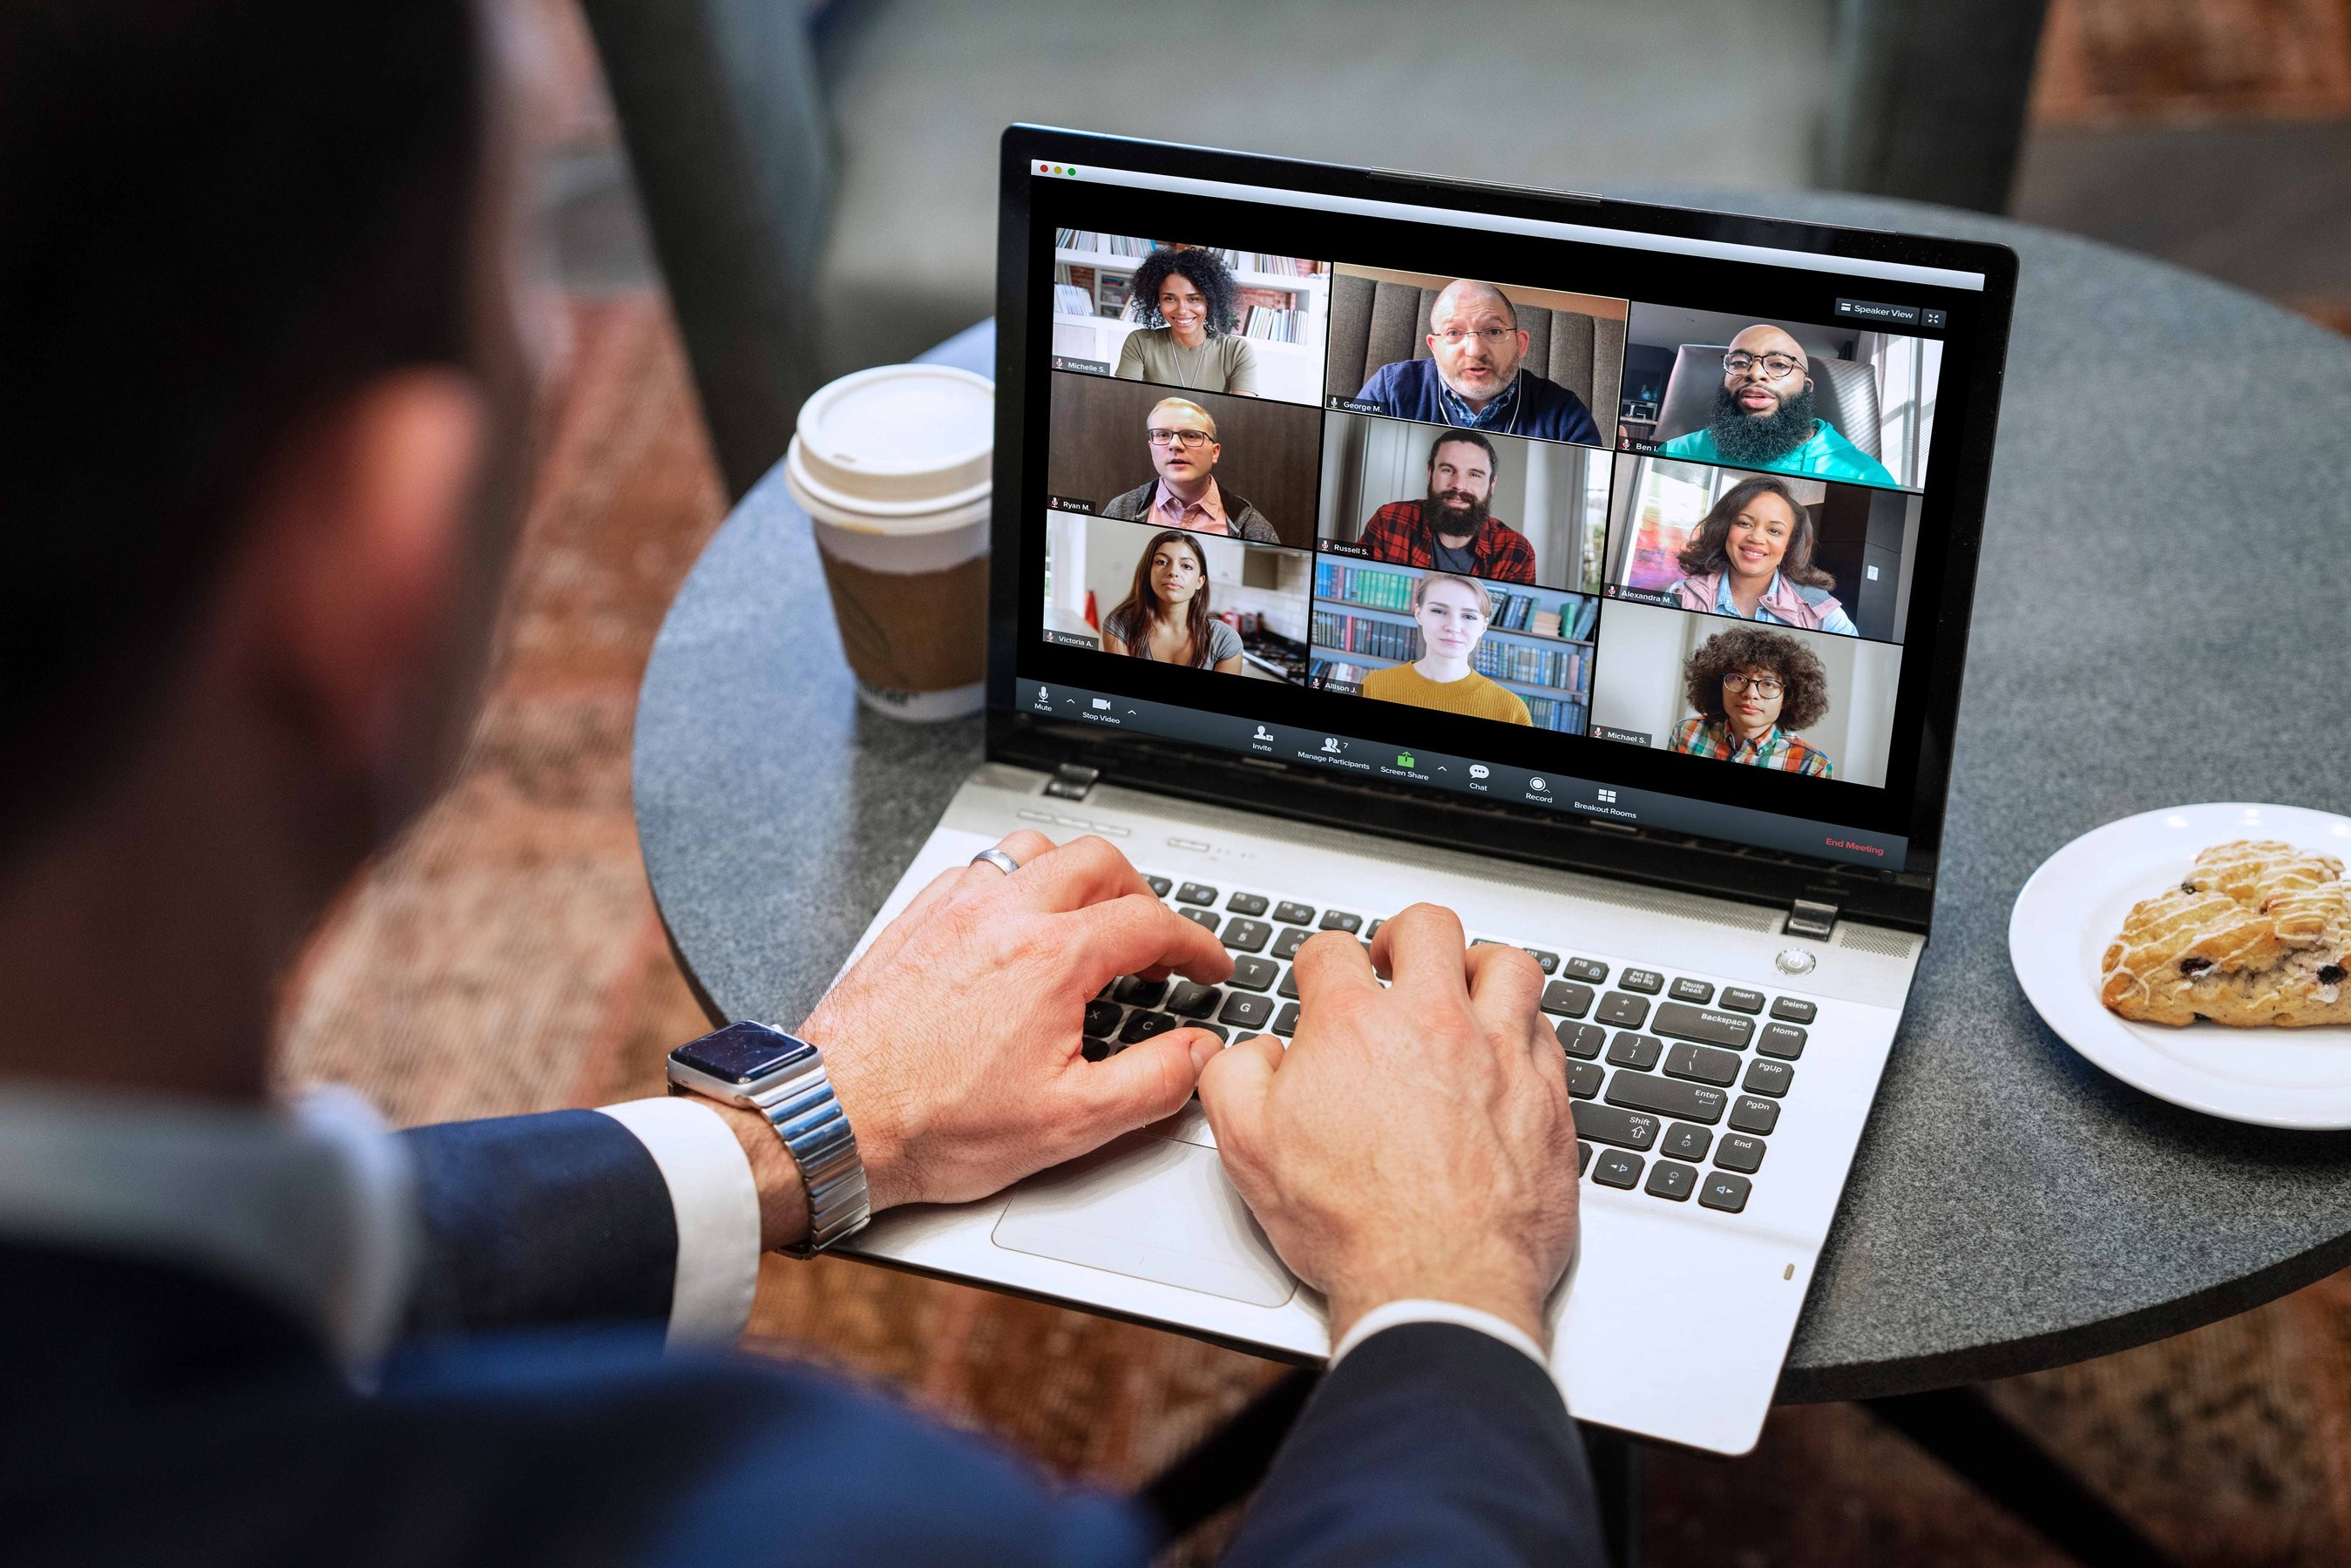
pixel 1599 570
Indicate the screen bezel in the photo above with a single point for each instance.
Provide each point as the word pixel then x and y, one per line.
pixel 1520 833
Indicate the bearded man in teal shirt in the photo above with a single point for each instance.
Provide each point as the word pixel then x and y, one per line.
pixel 1763 418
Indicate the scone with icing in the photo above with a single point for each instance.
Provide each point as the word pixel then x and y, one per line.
pixel 2257 934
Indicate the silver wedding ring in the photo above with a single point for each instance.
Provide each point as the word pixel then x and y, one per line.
pixel 997 858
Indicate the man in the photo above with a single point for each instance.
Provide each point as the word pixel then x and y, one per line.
pixel 1763 417
pixel 1184 450
pixel 262 483
pixel 1473 377
pixel 1453 530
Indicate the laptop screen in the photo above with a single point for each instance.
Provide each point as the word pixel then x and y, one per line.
pixel 1635 527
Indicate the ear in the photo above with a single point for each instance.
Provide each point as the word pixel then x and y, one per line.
pixel 357 552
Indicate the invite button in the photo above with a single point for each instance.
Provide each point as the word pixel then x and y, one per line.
pixel 1872 310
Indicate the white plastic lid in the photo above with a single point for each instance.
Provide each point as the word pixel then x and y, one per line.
pixel 898 441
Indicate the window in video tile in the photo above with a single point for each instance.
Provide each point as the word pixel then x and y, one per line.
pixel 1436 639
pixel 1239 467
pixel 1767 547
pixel 1176 597
pixel 1190 316
pixel 1774 697
pixel 1460 351
pixel 1839 402
pixel 1493 507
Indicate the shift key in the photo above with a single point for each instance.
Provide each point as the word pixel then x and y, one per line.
pixel 1668 1097
pixel 1706 1026
pixel 1596 1122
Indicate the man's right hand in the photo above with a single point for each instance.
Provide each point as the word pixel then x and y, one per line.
pixel 1415 1141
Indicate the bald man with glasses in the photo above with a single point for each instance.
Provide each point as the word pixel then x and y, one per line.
pixel 1474 377
pixel 1763 417
pixel 1184 450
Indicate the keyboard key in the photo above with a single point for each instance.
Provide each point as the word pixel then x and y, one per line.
pixel 1291 913
pixel 1591 971
pixel 1188 999
pixel 1703 1024
pixel 1698 990
pixel 1622 1011
pixel 1246 904
pixel 1144 1026
pixel 1702 1063
pixel 1739 1001
pixel 1159 886
pixel 1286 946
pixel 1210 1028
pixel 1547 962
pixel 1738 1152
pixel 1195 893
pixel 1784 1041
pixel 1285 1023
pixel 1373 931
pixel 1767 1077
pixel 1582 1040
pixel 1200 917
pixel 1243 1011
pixel 1566 996
pixel 1753 1115
pixel 1247 936
pixel 1339 920
pixel 1607 1124
pixel 1253 973
pixel 1691 1102
pixel 1794 1009
pixel 1684 1140
pixel 1102 1017
pixel 1647 982
pixel 1617 1168
pixel 1582 1157
pixel 1137 992
pixel 1631 1050
pixel 1098 1049
pixel 1669 1179
pixel 1583 1079
pixel 1725 1191
pixel 1288 984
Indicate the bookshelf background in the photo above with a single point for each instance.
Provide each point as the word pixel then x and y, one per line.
pixel 1283 310
pixel 1362 623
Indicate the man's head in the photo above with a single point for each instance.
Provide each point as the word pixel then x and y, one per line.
pixel 1473 334
pixel 1751 680
pixel 1763 410
pixel 1461 471
pixel 1183 437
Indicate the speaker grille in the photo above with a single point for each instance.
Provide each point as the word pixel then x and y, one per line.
pixel 1885 944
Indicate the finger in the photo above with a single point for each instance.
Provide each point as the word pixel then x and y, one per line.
pixel 1506 991
pixel 1233 1087
pixel 1423 947
pixel 1026 847
pixel 1330 962
pixel 1146 1082
pixel 1139 935
pixel 1088 870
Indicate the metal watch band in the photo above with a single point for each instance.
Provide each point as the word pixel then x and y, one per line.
pixel 808 1116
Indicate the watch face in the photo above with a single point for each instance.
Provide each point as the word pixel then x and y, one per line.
pixel 740 1053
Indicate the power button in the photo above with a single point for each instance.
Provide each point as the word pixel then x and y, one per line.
pixel 1794 961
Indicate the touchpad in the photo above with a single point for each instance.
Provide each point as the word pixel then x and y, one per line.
pixel 1152 1210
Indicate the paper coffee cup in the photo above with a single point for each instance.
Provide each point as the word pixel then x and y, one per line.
pixel 891 465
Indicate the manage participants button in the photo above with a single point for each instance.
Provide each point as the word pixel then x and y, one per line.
pixel 1876 310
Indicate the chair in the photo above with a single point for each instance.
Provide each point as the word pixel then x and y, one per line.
pixel 1378 323
pixel 1844 393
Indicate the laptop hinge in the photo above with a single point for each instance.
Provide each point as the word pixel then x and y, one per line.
pixel 1072 781
pixel 1808 917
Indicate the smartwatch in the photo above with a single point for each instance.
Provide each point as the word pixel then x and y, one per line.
pixel 781 1076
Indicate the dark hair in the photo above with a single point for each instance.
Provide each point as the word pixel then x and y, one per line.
pixel 1708 549
pixel 1208 273
pixel 1140 607
pixel 1446 438
pixel 1805 703
pixel 216 221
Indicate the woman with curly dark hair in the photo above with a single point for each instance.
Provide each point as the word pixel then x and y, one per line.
pixel 1190 309
pixel 1751 690
pixel 1752 556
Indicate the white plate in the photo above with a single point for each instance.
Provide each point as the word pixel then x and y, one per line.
pixel 2068 913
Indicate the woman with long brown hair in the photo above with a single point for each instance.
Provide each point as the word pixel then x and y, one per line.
pixel 1166 614
pixel 1752 556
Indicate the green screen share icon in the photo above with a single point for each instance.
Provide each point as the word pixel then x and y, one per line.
pixel 1403 759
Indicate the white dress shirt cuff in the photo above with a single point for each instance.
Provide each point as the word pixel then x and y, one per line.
pixel 716 1204
pixel 1416 1311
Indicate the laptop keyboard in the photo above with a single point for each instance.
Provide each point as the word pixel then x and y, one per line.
pixel 1677 1085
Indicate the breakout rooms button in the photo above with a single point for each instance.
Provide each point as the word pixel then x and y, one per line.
pixel 1871 310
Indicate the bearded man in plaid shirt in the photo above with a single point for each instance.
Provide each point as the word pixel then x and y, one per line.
pixel 1452 531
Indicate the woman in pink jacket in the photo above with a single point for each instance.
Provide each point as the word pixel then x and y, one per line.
pixel 1752 556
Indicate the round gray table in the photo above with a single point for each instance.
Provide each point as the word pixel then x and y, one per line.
pixel 2160 618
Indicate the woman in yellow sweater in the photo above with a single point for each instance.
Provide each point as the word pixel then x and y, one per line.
pixel 1453 613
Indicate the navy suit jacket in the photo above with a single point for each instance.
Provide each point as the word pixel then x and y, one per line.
pixel 154 1414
